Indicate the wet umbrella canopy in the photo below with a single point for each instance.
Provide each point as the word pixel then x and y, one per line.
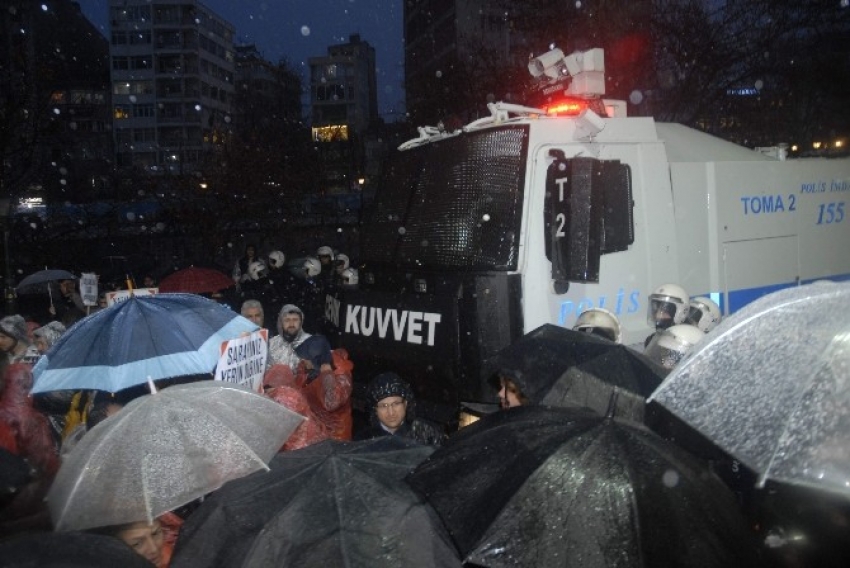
pixel 156 337
pixel 534 486
pixel 196 280
pixel 164 450
pixel 68 550
pixel 327 505
pixel 38 282
pixel 556 366
pixel 771 387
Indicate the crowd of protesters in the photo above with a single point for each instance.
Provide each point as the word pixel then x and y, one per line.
pixel 303 373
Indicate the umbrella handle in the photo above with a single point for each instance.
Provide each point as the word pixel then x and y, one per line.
pixel 50 294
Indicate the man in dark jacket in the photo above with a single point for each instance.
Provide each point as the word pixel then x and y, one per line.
pixel 392 412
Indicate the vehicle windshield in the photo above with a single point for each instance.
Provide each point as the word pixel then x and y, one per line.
pixel 456 203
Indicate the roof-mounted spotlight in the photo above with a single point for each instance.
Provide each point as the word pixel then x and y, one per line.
pixel 584 69
pixel 549 64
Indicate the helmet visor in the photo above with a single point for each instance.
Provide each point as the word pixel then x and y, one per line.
pixel 661 313
pixel 695 314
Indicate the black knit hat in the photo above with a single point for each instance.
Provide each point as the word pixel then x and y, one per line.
pixel 388 384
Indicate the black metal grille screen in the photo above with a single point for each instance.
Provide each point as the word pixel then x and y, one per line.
pixel 453 203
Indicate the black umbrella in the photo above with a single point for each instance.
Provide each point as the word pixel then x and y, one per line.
pixel 534 486
pixel 68 550
pixel 556 366
pixel 331 504
pixel 39 282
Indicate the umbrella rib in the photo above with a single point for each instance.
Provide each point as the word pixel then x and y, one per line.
pixel 765 475
pixel 145 493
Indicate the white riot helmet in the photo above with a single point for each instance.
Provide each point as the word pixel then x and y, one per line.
pixel 668 305
pixel 342 262
pixel 349 277
pixel 325 251
pixel 669 346
pixel 703 313
pixel 276 259
pixel 601 322
pixel 257 270
pixel 312 266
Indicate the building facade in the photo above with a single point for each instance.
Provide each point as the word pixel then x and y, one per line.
pixel 264 91
pixel 172 74
pixel 344 116
pixel 454 49
pixel 56 141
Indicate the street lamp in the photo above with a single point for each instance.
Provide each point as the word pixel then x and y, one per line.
pixel 6 220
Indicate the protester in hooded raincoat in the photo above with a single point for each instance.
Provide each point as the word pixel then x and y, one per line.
pixel 64 409
pixel 325 378
pixel 392 412
pixel 35 443
pixel 512 386
pixel 322 376
pixel 14 339
pixel 281 387
pixel 45 336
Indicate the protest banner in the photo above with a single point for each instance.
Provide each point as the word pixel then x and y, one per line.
pixel 88 288
pixel 120 295
pixel 243 360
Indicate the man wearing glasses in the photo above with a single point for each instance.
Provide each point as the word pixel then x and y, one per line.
pixel 392 412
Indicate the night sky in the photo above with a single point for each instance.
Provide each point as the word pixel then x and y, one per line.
pixel 300 29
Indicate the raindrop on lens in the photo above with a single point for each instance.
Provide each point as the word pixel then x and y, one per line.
pixel 305 30
pixel 636 97
pixel 401 230
pixel 131 216
pixel 439 74
pixel 486 217
pixel 670 478
pixel 132 98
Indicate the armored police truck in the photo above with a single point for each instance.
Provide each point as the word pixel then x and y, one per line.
pixel 528 217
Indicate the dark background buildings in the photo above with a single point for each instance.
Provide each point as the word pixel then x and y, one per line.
pixel 211 146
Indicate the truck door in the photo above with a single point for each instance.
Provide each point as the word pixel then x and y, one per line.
pixel 777 268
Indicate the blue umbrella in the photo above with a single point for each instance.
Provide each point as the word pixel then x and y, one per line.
pixel 145 337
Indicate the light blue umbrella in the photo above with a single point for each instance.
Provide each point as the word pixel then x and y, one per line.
pixel 142 338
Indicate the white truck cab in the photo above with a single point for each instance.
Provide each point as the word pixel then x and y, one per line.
pixel 524 218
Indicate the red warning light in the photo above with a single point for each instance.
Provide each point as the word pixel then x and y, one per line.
pixel 571 107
